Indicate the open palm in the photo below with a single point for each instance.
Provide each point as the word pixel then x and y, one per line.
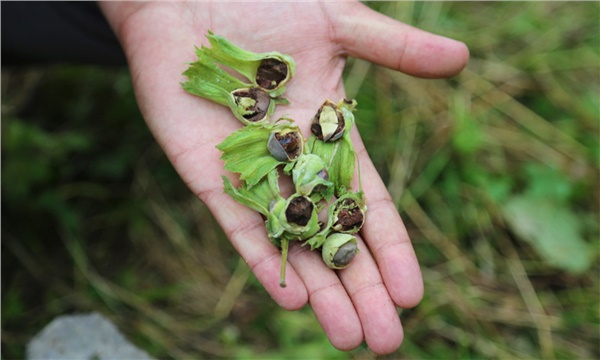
pixel 352 305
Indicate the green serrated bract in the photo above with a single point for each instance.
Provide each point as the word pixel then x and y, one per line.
pixel 259 197
pixel 339 155
pixel 253 65
pixel 246 152
pixel 248 103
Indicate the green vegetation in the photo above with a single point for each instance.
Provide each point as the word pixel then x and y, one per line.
pixel 495 173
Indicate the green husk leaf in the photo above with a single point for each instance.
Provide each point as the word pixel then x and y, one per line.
pixel 207 80
pixel 306 176
pixel 243 61
pixel 274 226
pixel 317 240
pixel 245 151
pixel 339 155
pixel 264 198
pixel 259 197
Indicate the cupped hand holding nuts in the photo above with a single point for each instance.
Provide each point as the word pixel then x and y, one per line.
pixel 158 39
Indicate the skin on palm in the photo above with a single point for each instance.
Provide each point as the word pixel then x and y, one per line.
pixel 158 39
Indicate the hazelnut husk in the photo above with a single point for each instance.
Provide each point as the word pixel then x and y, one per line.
pixel 339 250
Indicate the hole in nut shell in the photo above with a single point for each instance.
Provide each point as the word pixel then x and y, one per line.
pixel 349 217
pixel 270 73
pixel 299 211
pixel 290 142
pixel 259 109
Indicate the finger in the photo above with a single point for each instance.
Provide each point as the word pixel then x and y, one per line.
pixel 328 299
pixel 372 36
pixel 378 316
pixel 387 237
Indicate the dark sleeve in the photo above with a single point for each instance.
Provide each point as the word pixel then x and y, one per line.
pixel 44 32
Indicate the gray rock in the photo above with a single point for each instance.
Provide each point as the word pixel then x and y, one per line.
pixel 85 336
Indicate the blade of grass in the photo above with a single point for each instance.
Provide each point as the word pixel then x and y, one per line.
pixel 532 301
pixel 524 116
pixel 232 291
pixel 427 227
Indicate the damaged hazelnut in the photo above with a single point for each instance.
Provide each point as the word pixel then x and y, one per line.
pixel 299 210
pixel 339 250
pixel 271 73
pixel 328 124
pixel 349 216
pixel 252 104
pixel 286 145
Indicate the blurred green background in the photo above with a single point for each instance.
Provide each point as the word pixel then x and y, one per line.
pixel 495 173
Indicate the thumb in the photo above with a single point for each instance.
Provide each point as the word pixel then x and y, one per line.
pixel 369 35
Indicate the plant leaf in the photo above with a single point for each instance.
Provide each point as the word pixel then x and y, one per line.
pixel 553 231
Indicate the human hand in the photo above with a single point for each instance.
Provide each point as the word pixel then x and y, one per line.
pixel 354 304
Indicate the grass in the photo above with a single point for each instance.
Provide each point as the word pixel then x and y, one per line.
pixel 495 173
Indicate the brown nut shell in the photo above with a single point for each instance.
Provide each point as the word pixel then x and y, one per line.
pixel 349 217
pixel 328 124
pixel 299 210
pixel 344 255
pixel 270 73
pixel 285 146
pixel 260 100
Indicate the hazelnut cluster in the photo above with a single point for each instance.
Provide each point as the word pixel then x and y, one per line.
pixel 320 167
